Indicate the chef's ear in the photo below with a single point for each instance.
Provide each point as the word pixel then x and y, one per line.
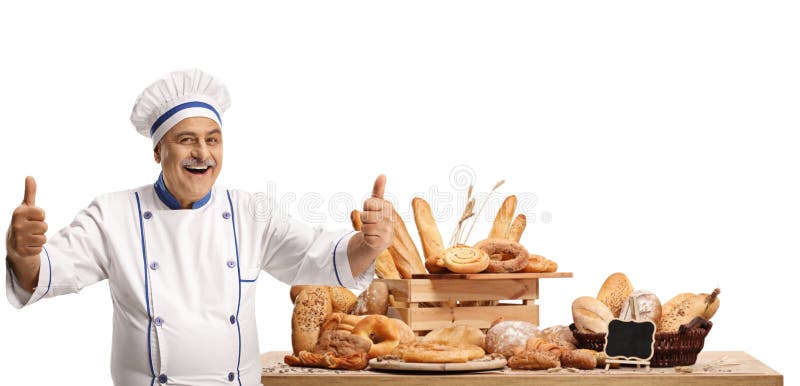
pixel 157 153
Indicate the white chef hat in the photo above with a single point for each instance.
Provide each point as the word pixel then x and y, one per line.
pixel 179 95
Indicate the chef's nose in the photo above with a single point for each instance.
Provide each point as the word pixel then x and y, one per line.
pixel 200 151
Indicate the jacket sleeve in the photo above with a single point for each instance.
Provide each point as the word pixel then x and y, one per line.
pixel 296 253
pixel 72 259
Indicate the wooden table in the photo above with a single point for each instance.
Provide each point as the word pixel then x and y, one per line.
pixel 721 368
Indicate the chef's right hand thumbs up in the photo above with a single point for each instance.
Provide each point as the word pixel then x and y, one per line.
pixel 26 233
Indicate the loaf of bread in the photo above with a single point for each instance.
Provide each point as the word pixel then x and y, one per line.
pixel 615 291
pixel 374 300
pixel 311 307
pixel 384 263
pixel 457 334
pixel 502 221
pixel 517 227
pixel 684 308
pixel 647 304
pixel 591 315
pixel 509 337
pixel 403 251
pixel 579 359
pixel 342 300
pixel 429 236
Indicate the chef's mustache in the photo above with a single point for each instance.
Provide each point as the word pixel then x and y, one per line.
pixel 197 163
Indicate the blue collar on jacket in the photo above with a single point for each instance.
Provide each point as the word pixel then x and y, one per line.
pixel 170 201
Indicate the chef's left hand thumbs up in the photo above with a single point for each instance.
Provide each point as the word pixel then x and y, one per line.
pixel 378 218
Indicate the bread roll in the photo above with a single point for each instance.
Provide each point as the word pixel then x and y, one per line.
pixel 432 244
pixel 374 300
pixel 503 218
pixel 684 308
pixel 384 264
pixel 311 307
pixel 458 334
pixel 561 336
pixel 517 227
pixel 403 251
pixel 591 315
pixel 579 359
pixel 615 292
pixel 341 343
pixel 648 305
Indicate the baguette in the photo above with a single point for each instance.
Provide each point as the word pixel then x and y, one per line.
pixel 403 251
pixel 503 219
pixel 517 227
pixel 432 245
pixel 384 264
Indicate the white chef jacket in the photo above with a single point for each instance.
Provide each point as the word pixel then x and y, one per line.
pixel 183 281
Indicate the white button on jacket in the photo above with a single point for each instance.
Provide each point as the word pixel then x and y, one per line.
pixel 183 280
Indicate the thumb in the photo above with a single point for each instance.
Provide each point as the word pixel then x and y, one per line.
pixel 30 191
pixel 379 187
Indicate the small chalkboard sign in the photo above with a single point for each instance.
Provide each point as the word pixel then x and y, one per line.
pixel 630 342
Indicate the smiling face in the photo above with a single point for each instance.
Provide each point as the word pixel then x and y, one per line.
pixel 190 155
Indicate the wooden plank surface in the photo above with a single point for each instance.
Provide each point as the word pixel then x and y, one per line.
pixel 490 276
pixel 425 290
pixel 730 368
pixel 426 319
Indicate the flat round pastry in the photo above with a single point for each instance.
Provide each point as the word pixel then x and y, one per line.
pixel 381 331
pixel 441 353
pixel 509 337
pixel 505 255
pixel 464 259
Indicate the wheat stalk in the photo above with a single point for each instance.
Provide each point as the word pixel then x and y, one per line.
pixel 497 185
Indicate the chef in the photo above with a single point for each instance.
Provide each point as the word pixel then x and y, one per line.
pixel 183 256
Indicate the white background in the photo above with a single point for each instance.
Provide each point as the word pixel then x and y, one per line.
pixel 659 137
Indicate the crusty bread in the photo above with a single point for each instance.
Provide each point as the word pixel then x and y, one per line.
pixel 342 300
pixel 591 315
pixel 684 308
pixel 502 221
pixel 432 244
pixel 311 307
pixel 615 292
pixel 374 300
pixel 384 264
pixel 647 304
pixel 403 251
pixel 517 227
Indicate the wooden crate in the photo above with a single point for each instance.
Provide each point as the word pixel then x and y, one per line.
pixel 432 301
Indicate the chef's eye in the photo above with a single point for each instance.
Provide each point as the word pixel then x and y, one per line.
pixel 187 140
pixel 213 141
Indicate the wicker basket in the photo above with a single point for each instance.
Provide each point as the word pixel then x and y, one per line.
pixel 671 348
